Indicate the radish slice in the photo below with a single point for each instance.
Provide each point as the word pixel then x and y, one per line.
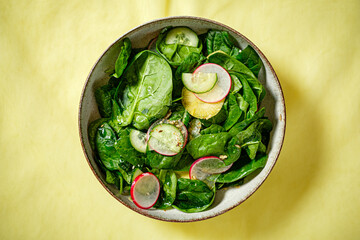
pixel 206 166
pixel 222 86
pixel 145 190
pixel 156 144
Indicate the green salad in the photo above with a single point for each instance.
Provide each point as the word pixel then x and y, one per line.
pixel 180 119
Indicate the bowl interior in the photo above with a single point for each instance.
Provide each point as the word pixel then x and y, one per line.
pixel 226 199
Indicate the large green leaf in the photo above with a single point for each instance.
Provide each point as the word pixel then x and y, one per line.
pixel 147 92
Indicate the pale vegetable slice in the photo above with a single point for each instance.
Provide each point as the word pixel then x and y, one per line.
pixel 166 139
pixel 199 82
pixel 161 143
pixel 138 140
pixel 145 190
pixel 136 173
pixel 198 108
pixel 222 86
pixel 182 36
pixel 206 166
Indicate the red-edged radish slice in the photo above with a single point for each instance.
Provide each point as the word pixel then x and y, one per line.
pixel 145 190
pixel 222 86
pixel 168 142
pixel 206 166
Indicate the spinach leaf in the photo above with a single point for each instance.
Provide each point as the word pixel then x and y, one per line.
pixel 217 119
pixel 236 84
pixel 214 128
pixel 240 170
pixel 250 139
pixel 221 41
pixel 92 130
pixel 245 123
pixel 249 97
pixel 147 92
pixel 208 145
pixel 156 160
pixel 232 151
pixel 184 163
pixel 175 54
pixel 103 97
pixel 105 140
pixel 122 59
pixel 243 105
pixel 126 151
pixel 116 179
pixel 251 59
pixel 235 67
pixel 168 181
pixel 234 112
pixel 193 196
pixel 180 113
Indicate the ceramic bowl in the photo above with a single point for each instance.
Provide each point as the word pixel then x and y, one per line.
pixel 140 36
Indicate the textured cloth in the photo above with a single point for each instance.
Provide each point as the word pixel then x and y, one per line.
pixel 47 190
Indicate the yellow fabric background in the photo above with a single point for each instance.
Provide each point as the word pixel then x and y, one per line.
pixel 47 190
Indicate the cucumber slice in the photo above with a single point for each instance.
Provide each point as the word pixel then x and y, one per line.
pixel 166 139
pixel 182 36
pixel 199 82
pixel 138 140
pixel 222 86
pixel 136 173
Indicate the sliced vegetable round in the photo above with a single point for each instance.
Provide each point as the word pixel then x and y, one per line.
pixel 178 124
pixel 138 140
pixel 136 173
pixel 145 190
pixel 182 36
pixel 166 139
pixel 222 86
pixel 199 82
pixel 206 166
pixel 198 108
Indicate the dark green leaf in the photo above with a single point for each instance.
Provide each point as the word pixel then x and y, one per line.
pixel 185 162
pixel 156 160
pixel 105 140
pixel 104 96
pixel 221 41
pixel 179 113
pixel 126 151
pixel 251 59
pixel 122 59
pixel 92 130
pixel 240 170
pixel 147 92
pixel 245 123
pixel 214 128
pixel 168 181
pixel 233 151
pixel 193 196
pixel 234 112
pixel 208 145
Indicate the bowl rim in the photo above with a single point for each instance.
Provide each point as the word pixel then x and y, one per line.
pixel 253 190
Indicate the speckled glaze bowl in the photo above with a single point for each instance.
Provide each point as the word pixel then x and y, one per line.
pixel 226 199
